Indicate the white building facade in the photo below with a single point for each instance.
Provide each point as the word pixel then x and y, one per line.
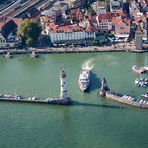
pixel 70 36
pixel 6 44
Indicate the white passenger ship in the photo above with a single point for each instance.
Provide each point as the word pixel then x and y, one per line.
pixel 84 80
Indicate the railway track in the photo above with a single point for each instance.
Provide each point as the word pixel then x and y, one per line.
pixel 19 9
pixel 36 3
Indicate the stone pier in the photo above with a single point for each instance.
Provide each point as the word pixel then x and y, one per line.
pixel 104 91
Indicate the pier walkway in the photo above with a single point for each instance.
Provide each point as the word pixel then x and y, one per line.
pixel 16 98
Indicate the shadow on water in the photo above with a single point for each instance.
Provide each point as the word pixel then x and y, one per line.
pixel 95 82
pixel 76 103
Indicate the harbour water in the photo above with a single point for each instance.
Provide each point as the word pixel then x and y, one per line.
pixel 91 121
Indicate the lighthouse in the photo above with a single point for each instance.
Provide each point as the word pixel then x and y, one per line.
pixel 63 84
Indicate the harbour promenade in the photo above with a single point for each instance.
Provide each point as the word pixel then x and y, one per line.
pixel 120 47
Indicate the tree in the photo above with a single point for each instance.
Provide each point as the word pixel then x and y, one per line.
pixel 29 41
pixel 29 31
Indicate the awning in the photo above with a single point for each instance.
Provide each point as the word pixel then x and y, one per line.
pixel 122 35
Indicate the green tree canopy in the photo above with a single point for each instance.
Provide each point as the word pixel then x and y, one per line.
pixel 29 41
pixel 29 31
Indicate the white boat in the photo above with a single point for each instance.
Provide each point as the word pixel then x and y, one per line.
pixel 146 68
pixel 84 80
pixel 141 101
pixel 33 98
pixel 29 98
pixel 145 95
pixel 8 55
pixel 16 97
pixel 141 82
pixel 33 55
pixel 47 99
pixel 140 70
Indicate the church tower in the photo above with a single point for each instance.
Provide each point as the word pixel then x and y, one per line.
pixel 138 38
pixel 63 82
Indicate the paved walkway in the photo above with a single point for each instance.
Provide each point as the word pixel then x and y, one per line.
pixel 117 47
pixel 127 47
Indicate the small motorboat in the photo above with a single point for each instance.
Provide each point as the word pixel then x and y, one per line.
pixel 141 82
pixel 33 98
pixel 33 55
pixel 139 70
pixel 8 55
pixel 146 68
pixel 145 95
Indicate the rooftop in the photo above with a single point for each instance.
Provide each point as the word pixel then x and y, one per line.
pixel 107 16
pixel 62 29
pixel 33 12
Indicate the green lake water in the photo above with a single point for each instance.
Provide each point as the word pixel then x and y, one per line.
pixel 91 121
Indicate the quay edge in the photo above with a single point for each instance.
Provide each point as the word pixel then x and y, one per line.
pixel 56 51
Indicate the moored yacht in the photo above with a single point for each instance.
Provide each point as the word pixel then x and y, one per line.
pixel 146 68
pixel 141 82
pixel 140 70
pixel 145 95
pixel 33 55
pixel 8 55
pixel 84 79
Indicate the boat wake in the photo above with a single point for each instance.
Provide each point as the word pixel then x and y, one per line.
pixel 88 64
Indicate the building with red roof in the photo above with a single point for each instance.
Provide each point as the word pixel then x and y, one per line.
pixel 122 27
pixel 104 21
pixel 82 33
pixel 77 14
pixel 33 13
pixel 8 28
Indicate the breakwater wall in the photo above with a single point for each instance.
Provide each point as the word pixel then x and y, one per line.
pixel 104 91
pixel 129 100
pixel 16 98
